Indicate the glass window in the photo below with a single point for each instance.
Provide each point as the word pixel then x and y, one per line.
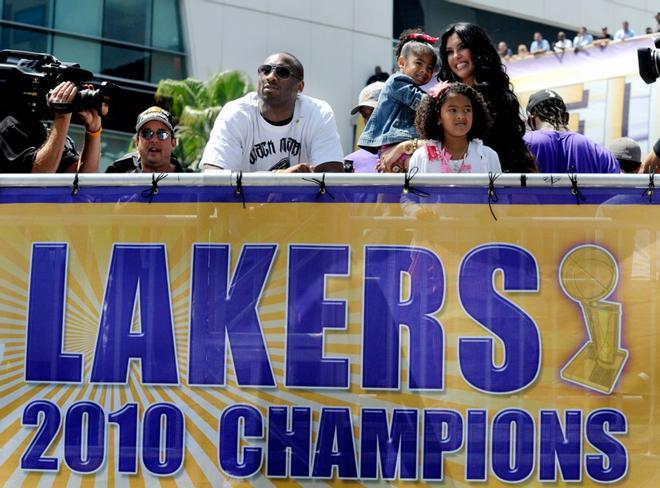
pixel 165 27
pixel 166 66
pixel 24 40
pixel 80 16
pixel 125 63
pixel 86 53
pixel 33 12
pixel 127 20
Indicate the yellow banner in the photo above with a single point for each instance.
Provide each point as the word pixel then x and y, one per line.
pixel 196 342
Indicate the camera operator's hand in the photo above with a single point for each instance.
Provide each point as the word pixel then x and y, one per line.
pixel 90 117
pixel 61 96
pixel 47 159
pixel 91 153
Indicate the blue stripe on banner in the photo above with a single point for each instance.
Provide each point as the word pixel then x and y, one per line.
pixel 310 194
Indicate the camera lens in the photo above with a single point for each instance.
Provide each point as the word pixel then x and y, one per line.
pixel 649 62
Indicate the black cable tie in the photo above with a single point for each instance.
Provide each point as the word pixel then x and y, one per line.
pixel 153 191
pixel 75 186
pixel 651 188
pixel 575 190
pixel 238 192
pixel 492 195
pixel 408 188
pixel 323 189
pixel 523 180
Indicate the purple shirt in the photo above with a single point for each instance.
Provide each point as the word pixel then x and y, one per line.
pixel 363 161
pixel 569 152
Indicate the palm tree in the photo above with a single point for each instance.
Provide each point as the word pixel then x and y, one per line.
pixel 196 104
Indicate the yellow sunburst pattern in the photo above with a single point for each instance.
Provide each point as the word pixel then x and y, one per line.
pixel 629 233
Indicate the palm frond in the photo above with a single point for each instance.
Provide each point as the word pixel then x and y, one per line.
pixel 196 105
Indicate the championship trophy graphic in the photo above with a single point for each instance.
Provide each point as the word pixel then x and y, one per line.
pixel 588 275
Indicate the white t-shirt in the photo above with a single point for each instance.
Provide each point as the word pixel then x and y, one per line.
pixel 433 158
pixel 242 139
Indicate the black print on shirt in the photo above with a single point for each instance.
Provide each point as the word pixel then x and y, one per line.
pixel 290 145
pixel 263 150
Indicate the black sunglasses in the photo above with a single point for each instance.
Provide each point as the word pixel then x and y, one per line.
pixel 282 72
pixel 161 134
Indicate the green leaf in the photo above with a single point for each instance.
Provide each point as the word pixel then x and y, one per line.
pixel 195 105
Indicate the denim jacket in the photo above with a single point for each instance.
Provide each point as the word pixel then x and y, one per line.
pixel 393 119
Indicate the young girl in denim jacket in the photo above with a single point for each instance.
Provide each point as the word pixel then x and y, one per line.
pixel 393 120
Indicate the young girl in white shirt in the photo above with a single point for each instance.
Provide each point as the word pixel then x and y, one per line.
pixel 451 120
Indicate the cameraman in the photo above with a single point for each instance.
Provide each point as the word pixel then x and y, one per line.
pixel 27 147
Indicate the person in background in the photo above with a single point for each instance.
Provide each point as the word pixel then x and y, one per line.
pixel 604 35
pixel 522 51
pixel 628 153
pixel 276 128
pixel 539 45
pixel 583 38
pixel 364 161
pixel 393 120
pixel 603 39
pixel 27 146
pixel 377 75
pixel 625 32
pixel 503 50
pixel 155 142
pixel 651 162
pixel 557 149
pixel 562 43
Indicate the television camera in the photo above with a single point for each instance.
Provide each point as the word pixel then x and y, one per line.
pixel 649 62
pixel 26 78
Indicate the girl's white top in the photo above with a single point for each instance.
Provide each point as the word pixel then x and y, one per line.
pixel 434 158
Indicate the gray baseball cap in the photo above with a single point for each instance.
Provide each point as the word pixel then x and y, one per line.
pixel 626 148
pixel 369 96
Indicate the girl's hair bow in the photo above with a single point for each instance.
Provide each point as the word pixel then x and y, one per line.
pixel 422 37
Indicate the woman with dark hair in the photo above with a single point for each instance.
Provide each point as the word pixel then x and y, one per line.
pixel 468 55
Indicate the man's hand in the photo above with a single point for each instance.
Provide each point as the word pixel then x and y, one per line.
pixel 62 94
pixel 390 156
pixel 298 168
pixel 91 117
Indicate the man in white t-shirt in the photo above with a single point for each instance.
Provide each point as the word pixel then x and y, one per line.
pixel 276 128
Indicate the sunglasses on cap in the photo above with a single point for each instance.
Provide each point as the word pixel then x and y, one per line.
pixel 282 72
pixel 161 134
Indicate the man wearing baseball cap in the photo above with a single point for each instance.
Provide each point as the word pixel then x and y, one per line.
pixel 558 149
pixel 364 161
pixel 628 153
pixel 155 142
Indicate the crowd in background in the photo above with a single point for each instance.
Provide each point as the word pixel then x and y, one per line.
pixel 582 39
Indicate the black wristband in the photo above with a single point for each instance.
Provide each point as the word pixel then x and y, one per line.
pixel 656 148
